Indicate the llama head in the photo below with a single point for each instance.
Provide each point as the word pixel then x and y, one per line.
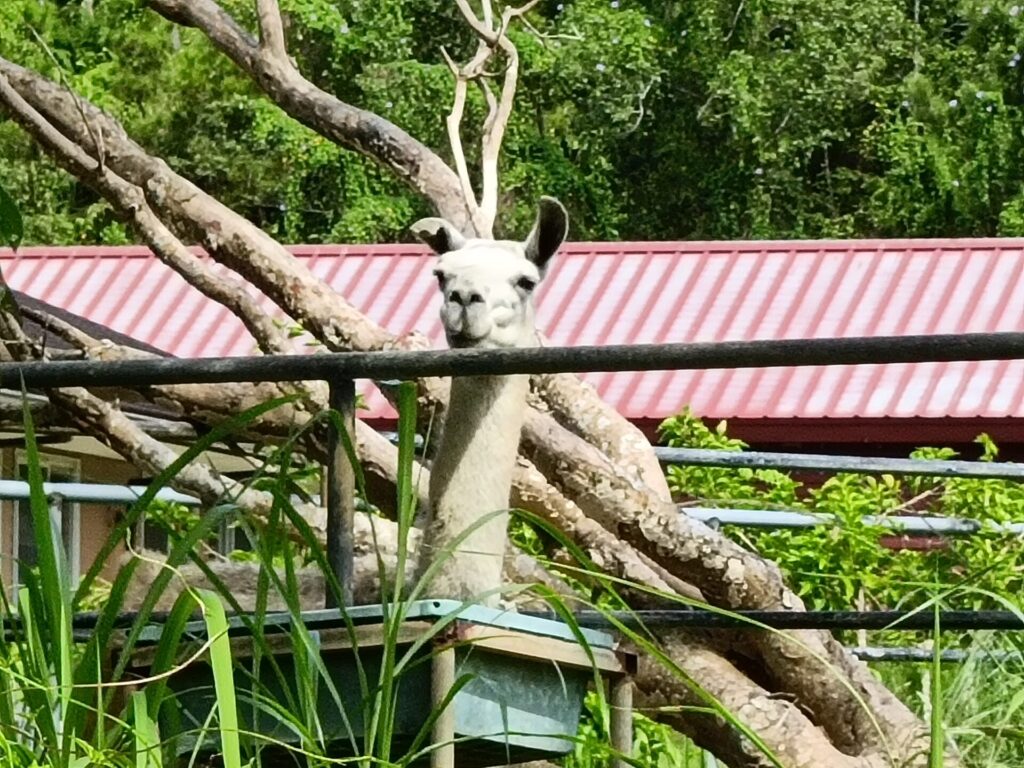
pixel 487 285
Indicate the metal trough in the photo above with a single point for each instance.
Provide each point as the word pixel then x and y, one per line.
pixel 527 677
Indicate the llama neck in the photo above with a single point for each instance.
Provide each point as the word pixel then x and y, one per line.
pixel 470 483
pixel 472 474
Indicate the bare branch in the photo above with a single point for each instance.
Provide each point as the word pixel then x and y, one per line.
pixel 494 132
pixel 576 405
pixel 453 123
pixel 780 723
pixel 351 127
pixel 192 213
pixel 483 29
pixel 271 30
pixel 500 109
pixel 532 492
pixel 129 198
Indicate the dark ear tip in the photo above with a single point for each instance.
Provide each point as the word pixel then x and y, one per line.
pixel 550 204
pixel 553 212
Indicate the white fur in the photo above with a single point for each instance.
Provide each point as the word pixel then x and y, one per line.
pixel 486 289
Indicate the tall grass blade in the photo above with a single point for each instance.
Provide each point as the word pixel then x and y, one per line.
pixel 147 736
pixel 938 740
pixel 223 677
pixel 54 594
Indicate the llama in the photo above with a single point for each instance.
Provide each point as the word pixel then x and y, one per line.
pixel 486 288
pixel 487 303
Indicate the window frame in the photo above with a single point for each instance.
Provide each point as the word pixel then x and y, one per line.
pixel 66 465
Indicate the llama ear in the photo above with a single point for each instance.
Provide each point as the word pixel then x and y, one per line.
pixel 548 232
pixel 440 235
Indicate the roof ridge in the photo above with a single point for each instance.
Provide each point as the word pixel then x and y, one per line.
pixel 415 250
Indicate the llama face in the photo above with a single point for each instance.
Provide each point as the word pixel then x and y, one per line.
pixel 487 285
pixel 486 291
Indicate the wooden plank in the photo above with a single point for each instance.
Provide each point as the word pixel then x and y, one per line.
pixel 362 636
pixel 524 645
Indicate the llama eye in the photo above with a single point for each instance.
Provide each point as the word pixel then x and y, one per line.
pixel 526 284
pixel 441 279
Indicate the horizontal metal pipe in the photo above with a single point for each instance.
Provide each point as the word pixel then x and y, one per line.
pixel 703 619
pixel 818 462
pixel 899 620
pixel 751 518
pixel 472 362
pixel 946 655
pixel 918 525
pixel 92 492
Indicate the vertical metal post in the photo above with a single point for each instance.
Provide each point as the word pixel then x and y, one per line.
pixel 442 679
pixel 621 700
pixel 341 490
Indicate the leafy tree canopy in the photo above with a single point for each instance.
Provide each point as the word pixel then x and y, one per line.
pixel 764 118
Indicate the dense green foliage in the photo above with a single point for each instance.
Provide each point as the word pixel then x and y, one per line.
pixel 770 118
pixel 840 564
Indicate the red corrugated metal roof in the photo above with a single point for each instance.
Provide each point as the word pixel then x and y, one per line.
pixel 619 293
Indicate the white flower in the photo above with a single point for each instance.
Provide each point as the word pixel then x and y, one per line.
pixel 560 7
pixel 956 182
pixel 979 95
pixel 759 171
pixel 647 22
pixel 953 103
pixel 905 104
pixel 1015 10
pixel 344 29
pixel 389 104
pixel 600 67
pixel 615 3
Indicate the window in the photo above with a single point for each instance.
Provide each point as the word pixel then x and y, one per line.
pixel 55 469
pixel 152 535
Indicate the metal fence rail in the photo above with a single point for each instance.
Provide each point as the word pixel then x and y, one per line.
pixel 474 362
pixel 922 525
pixel 342 368
pixel 868 465
pixel 915 620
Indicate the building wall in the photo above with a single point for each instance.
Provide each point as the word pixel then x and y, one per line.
pixel 95 521
pixel 98 520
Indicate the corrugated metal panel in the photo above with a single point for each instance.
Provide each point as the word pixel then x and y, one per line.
pixel 605 293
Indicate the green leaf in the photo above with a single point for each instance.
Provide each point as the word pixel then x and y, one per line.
pixel 147 737
pixel 12 228
pixel 223 677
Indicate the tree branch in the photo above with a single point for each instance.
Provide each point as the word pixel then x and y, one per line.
pixel 129 199
pixel 191 213
pixel 453 125
pixel 350 127
pixel 271 30
pixel 499 110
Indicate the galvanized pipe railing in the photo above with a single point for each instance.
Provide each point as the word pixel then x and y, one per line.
pixel 867 465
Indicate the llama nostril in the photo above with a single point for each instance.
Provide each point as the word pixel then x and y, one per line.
pixel 475 298
pixel 455 297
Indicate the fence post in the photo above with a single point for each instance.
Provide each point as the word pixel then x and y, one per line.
pixel 442 680
pixel 341 491
pixel 621 719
